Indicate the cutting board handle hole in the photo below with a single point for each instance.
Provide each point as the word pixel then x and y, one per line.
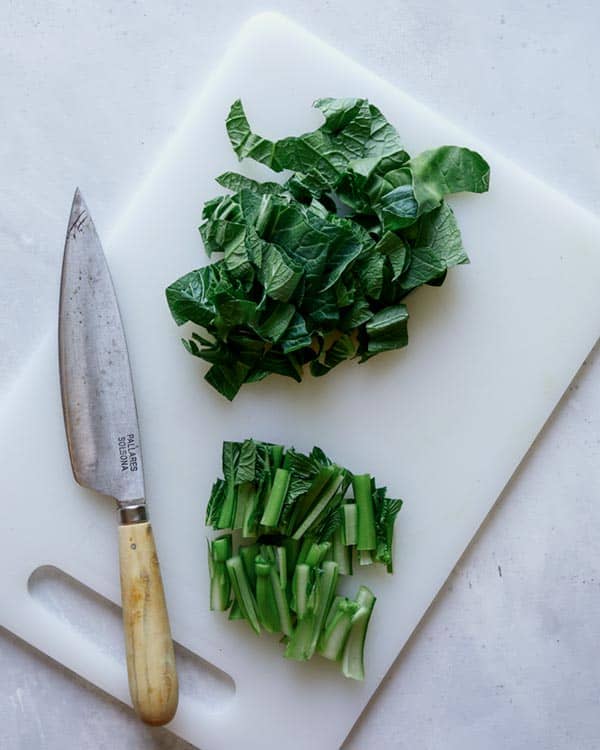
pixel 99 620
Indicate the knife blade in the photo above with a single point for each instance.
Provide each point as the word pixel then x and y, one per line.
pixel 97 390
pixel 104 447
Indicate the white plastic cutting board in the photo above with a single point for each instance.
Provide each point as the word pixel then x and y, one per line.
pixel 443 423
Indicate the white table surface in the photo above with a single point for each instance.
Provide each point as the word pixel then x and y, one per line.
pixel 507 657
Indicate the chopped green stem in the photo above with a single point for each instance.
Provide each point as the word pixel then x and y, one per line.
pixel 227 513
pixel 276 456
pixel 276 497
pixel 281 602
pixel 242 591
pixel 220 585
pixel 244 495
pixel 248 555
pixel 235 613
pixel 353 657
pixel 333 609
pixel 328 493
pixel 342 553
pixel 302 538
pixel 304 504
pixel 220 588
pixel 333 639
pixel 325 591
pixel 301 589
pixel 305 548
pixel 281 561
pixel 221 548
pixel 317 552
pixel 365 557
pixel 250 524
pixel 298 646
pixel 292 547
pixel 266 550
pixel 350 525
pixel 365 538
pixel 265 599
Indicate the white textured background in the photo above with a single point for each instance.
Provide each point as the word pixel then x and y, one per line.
pixel 507 658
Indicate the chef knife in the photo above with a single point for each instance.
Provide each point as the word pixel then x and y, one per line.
pixel 104 445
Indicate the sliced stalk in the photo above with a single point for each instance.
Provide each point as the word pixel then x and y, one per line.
pixel 250 522
pixel 333 639
pixel 298 647
pixel 323 501
pixel 244 494
pixel 276 456
pixel 342 554
pixel 248 555
pixel 281 601
pixel 235 613
pixel 301 589
pixel 266 550
pixel 350 525
pixel 265 599
pixel 333 609
pixel 292 548
pixel 276 497
pixel 281 560
pixel 220 588
pixel 365 537
pixel 220 585
pixel 353 658
pixel 305 502
pixel 325 591
pixel 305 548
pixel 365 557
pixel 242 591
pixel 227 514
pixel 221 548
pixel 317 553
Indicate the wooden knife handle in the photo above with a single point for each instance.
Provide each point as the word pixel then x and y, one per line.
pixel 150 657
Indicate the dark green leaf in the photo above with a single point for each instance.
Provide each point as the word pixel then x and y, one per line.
pixel 420 185
pixel 356 315
pixel 227 379
pixel 236 182
pixel 425 267
pixel 296 335
pixel 446 170
pixel 189 297
pixel 277 274
pixel 386 330
pixel 247 144
pixel 275 325
pixel 343 348
pixel 439 231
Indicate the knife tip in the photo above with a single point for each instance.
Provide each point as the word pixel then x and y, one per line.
pixel 79 210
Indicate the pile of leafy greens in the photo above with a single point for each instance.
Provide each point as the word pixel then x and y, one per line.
pixel 315 270
pixel 294 523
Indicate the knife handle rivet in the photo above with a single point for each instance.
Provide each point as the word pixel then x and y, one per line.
pixel 133 546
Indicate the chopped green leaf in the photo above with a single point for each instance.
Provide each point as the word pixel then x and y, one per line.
pixel 312 271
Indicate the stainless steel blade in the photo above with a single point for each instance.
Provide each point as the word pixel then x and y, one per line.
pixel 97 391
